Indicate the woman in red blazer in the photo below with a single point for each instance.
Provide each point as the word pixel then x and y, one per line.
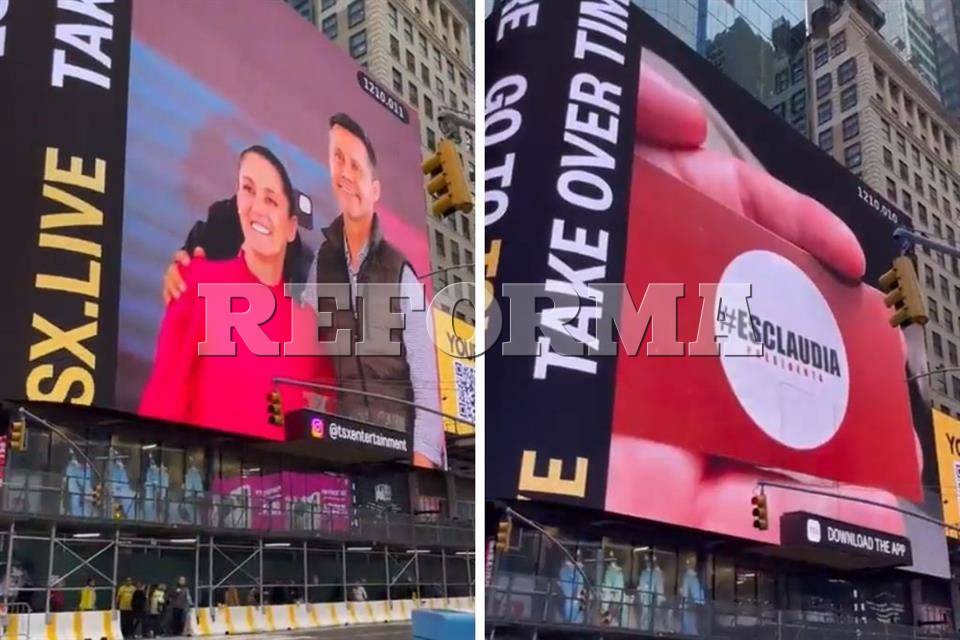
pixel 229 392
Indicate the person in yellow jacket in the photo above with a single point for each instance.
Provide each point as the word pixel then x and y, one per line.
pixel 125 604
pixel 88 597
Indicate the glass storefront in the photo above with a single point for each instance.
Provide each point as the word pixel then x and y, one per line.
pixel 667 589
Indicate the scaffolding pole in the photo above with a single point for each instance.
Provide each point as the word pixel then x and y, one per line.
pixel 53 542
pixel 6 579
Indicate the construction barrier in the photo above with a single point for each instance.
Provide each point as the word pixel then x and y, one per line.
pixel 218 621
pixel 69 625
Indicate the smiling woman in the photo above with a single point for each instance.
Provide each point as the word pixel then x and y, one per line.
pixel 185 387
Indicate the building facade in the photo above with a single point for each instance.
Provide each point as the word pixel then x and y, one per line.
pixel 907 29
pixel 944 18
pixel 876 116
pixel 422 51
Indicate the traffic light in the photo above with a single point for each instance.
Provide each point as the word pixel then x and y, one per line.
pixel 275 408
pixel 117 512
pixel 97 494
pixel 903 294
pixel 503 534
pixel 760 518
pixel 18 434
pixel 448 184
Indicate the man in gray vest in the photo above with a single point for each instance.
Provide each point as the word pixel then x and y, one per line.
pixel 354 251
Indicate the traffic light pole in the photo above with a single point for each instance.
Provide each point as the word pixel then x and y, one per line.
pixel 873 503
pixel 73 445
pixel 510 511
pixel 369 394
pixel 909 237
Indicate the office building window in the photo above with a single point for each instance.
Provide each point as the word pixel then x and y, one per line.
pixel 852 157
pixel 937 344
pixel 933 310
pixel 956 387
pixel 851 127
pixel 824 112
pixel 428 106
pixel 408 30
pixel 918 183
pixel 943 180
pixel 922 213
pixel 454 252
pixel 956 292
pixel 781 81
pixel 329 26
pixel 886 129
pixel 392 13
pixel 948 319
pixel 423 45
pixel 431 139
pixel 796 71
pixel 846 71
pixel 441 243
pixel 916 156
pixel 824 84
pixel 838 43
pixel 356 12
pixel 411 62
pixel 891 190
pixel 798 102
pixel 907 201
pixel 453 98
pixel 888 158
pixel 326 4
pixel 780 109
pixel 358 43
pixel 397 80
pixel 944 286
pixel 904 172
pixel 820 56
pixel 928 273
pixel 934 200
pixel 451 74
pixel 952 353
pixel 425 75
pixel 394 47
pixel 414 95
pixel 848 97
pixel 437 58
pixel 936 227
pixel 901 144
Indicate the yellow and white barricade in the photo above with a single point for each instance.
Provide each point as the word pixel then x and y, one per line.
pixel 207 621
pixel 380 611
pixel 67 625
pixel 239 620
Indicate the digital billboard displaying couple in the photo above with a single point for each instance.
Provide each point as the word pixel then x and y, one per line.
pixel 306 179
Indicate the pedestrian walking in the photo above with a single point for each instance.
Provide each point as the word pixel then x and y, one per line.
pixel 179 603
pixel 88 596
pixel 125 604
pixel 158 601
pixel 139 605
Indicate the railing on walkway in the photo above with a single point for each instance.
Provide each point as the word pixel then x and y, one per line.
pixel 530 601
pixel 22 629
pixel 43 495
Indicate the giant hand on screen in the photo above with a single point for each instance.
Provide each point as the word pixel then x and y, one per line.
pixel 691 488
pixel 671 131
pixel 173 284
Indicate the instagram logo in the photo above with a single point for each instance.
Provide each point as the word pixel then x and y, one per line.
pixel 317 428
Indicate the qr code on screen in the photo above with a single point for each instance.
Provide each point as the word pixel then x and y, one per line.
pixel 463 375
pixel 956 475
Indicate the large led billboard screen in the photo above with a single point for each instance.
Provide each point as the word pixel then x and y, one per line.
pixel 661 191
pixel 247 144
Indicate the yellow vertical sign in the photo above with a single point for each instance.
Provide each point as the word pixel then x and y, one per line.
pixel 455 369
pixel 947 433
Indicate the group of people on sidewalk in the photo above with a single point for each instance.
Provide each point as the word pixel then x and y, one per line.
pixel 146 611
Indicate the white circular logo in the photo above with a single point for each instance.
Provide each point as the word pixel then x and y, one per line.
pixel 794 383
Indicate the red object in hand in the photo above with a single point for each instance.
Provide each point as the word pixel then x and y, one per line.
pixel 838 410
